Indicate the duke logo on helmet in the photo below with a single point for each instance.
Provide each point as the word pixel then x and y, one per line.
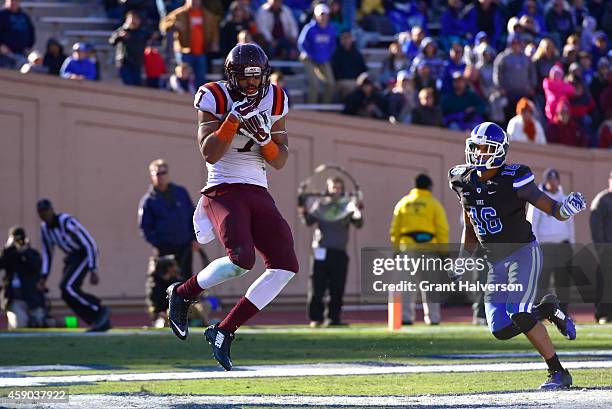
pixel 486 147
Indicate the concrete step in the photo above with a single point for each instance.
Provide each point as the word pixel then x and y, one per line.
pixel 58 24
pixel 37 10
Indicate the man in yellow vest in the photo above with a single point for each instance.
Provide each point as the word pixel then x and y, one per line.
pixel 419 218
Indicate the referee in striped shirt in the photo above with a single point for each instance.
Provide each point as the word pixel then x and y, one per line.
pixel 81 252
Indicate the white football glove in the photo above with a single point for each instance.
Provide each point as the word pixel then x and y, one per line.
pixel 257 128
pixel 244 109
pixel 572 205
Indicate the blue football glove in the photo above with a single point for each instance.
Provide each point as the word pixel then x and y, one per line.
pixel 572 205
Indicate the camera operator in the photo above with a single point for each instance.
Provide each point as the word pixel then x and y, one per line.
pixel 333 214
pixel 20 297
pixel 163 271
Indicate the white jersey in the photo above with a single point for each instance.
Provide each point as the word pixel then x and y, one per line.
pixel 243 162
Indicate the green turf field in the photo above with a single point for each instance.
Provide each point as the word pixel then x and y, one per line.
pixel 146 353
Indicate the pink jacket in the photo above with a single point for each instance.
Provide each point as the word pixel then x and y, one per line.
pixel 554 90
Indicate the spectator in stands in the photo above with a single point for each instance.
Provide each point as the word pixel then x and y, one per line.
pixel 337 17
pixel 317 43
pixel 394 62
pixel 514 74
pixel 244 37
pixel 237 19
pixel 427 113
pixel 529 29
pixel 485 57
pixel 544 58
pixel 530 9
pixel 600 47
pixel 17 34
pixel 165 216
pixel 429 55
pixel 524 127
pixel 605 133
pixel 155 67
pixel 130 41
pixel 371 16
pixel 570 55
pixel 182 81
pixel 472 76
pixel 401 100
pixel 347 64
pixel 196 34
pixel 276 23
pixel 404 14
pixel 555 89
pixel 423 79
pixel 486 16
pixel 365 100
pixel 559 22
pixel 54 56
pixel 20 297
pixel 277 78
pixel 453 27
pixel 453 64
pixel 582 105
pixel 587 35
pixel 586 66
pixel 79 66
pixel 563 129
pixel 480 40
pixel 600 82
pixel 411 43
pixel 34 64
pixel 579 12
pixel 462 108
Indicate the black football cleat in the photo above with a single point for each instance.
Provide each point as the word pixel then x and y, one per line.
pixel 554 314
pixel 102 322
pixel 220 342
pixel 178 308
pixel 557 380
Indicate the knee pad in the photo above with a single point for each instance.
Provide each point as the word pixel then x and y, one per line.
pixel 506 333
pixel 243 257
pixel 524 321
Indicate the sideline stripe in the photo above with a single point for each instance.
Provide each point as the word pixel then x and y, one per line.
pixel 283 371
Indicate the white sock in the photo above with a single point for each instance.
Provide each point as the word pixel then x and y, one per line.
pixel 218 271
pixel 267 286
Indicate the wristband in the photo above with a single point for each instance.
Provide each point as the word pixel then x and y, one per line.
pixel 270 150
pixel 227 130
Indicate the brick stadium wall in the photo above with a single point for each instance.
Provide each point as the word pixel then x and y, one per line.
pixel 87 145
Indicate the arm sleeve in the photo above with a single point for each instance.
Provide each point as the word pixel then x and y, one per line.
pixel 146 222
pixel 86 240
pixel 47 252
pixel 396 223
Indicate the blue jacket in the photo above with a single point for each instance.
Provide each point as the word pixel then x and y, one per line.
pixel 317 42
pixel 16 30
pixel 86 68
pixel 166 222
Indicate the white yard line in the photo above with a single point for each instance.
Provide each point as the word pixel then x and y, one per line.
pixel 574 399
pixel 283 371
pixel 33 368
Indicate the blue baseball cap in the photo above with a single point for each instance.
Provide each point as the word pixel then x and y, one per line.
pixel 44 204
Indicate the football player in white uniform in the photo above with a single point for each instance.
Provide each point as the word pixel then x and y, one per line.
pixel 241 127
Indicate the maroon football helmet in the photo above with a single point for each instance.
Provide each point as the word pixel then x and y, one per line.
pixel 246 60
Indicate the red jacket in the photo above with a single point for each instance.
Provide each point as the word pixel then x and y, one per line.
pixel 154 64
pixel 566 134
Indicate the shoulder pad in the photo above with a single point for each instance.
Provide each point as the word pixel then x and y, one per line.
pixel 211 97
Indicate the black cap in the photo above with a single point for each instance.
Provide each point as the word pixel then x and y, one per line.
pixel 423 181
pixel 18 233
pixel 44 204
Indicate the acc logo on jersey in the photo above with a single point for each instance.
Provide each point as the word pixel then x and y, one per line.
pixel 458 170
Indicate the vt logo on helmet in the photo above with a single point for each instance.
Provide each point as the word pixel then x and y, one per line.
pixel 248 72
pixel 486 147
